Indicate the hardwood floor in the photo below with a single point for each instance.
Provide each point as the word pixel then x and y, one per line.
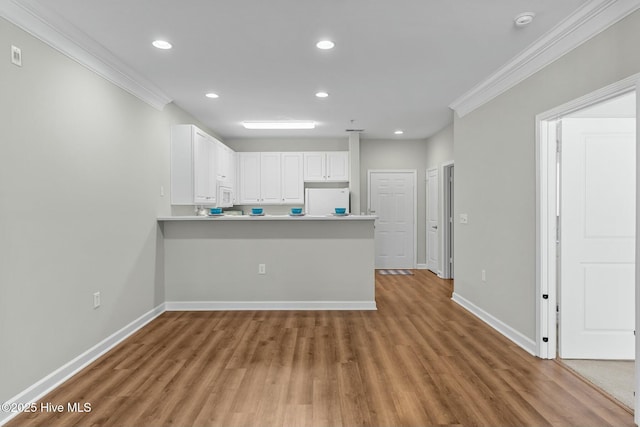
pixel 419 360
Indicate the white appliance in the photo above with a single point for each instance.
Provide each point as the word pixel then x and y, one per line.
pixel 323 201
pixel 225 196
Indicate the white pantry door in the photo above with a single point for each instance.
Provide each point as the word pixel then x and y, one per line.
pixel 392 199
pixel 597 249
pixel 433 247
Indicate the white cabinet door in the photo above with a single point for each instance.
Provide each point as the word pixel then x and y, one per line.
pixel 198 163
pixel 314 166
pixel 204 183
pixel 292 178
pixel 270 179
pixel 249 178
pixel 337 166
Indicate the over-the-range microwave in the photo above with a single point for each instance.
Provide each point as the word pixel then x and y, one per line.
pixel 225 196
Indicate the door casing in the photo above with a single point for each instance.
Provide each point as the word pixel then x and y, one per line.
pixel 546 214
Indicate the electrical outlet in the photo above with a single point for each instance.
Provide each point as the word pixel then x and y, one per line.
pixel 464 219
pixel 484 275
pixel 96 300
pixel 16 56
pixel 262 269
pixel 162 191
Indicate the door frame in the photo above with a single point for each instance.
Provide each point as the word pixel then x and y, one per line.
pixel 414 174
pixel 546 216
pixel 439 233
pixel 447 226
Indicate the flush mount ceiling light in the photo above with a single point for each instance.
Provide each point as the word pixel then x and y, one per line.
pixel 161 44
pixel 212 95
pixel 325 44
pixel 523 19
pixel 275 125
pixel 399 132
pixel 322 94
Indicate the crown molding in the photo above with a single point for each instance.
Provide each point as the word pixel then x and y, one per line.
pixel 589 20
pixel 58 33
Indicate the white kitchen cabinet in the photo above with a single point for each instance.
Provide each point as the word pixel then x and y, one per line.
pixel 270 178
pixel 224 164
pixel 248 178
pixel 337 165
pixel 314 166
pixel 326 166
pixel 193 174
pixel 292 178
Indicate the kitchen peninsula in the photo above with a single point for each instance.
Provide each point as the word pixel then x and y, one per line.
pixel 277 262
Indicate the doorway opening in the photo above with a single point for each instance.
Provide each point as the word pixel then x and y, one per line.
pixel 586 241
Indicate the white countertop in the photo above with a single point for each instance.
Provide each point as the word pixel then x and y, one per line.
pixel 271 218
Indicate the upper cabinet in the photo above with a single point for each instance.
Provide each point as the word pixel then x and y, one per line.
pixel 270 178
pixel 292 178
pixel 326 166
pixel 199 163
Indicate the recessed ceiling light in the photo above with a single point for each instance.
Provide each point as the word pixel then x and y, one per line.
pixel 161 44
pixel 212 95
pixel 322 94
pixel 286 124
pixel 524 19
pixel 399 132
pixel 325 44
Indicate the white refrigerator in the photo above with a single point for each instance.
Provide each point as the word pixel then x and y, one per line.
pixel 323 201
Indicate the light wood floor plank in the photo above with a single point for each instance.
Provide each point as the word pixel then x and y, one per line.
pixel 419 360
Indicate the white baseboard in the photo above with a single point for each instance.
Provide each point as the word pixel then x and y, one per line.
pixel 268 305
pixel 60 375
pixel 421 267
pixel 522 341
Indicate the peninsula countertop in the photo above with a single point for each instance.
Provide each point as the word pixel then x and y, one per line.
pixel 269 218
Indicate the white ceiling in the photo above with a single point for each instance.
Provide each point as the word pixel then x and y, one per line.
pixel 396 65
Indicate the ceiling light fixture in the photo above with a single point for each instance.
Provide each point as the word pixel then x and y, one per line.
pixel 161 44
pixel 325 44
pixel 322 94
pixel 523 19
pixel 212 95
pixel 399 132
pixel 275 125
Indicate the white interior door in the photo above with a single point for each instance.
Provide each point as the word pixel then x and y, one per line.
pixel 433 247
pixel 392 199
pixel 597 280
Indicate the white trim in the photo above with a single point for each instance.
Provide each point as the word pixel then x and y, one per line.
pixel 546 208
pixel 522 341
pixel 445 226
pixel 421 267
pixel 268 305
pixel 414 172
pixel 61 35
pixel 636 413
pixel 586 22
pixel 62 374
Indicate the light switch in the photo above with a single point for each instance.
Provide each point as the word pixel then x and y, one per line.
pixel 464 219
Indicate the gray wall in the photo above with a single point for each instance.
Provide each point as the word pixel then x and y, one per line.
pixel 440 148
pixel 81 165
pixel 306 260
pixel 397 154
pixel 439 151
pixel 495 173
